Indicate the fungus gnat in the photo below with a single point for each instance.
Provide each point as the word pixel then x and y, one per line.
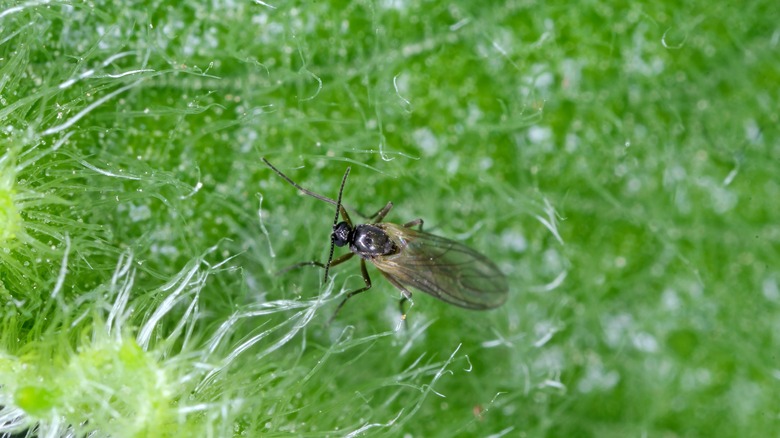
pixel 410 258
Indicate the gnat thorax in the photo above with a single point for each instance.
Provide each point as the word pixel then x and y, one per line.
pixel 370 241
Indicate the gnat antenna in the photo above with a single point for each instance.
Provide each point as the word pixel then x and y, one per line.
pixel 335 221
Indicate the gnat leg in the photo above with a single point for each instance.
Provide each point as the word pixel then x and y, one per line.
pixel 379 215
pixel 366 280
pixel 333 263
pixel 414 223
pixel 407 296
pixel 344 216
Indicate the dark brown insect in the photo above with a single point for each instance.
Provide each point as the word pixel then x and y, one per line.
pixel 410 258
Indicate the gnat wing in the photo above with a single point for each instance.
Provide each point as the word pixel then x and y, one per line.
pixel 443 268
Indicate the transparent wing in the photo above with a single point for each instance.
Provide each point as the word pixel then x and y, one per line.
pixel 443 268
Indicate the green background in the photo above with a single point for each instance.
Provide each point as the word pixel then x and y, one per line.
pixel 619 163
